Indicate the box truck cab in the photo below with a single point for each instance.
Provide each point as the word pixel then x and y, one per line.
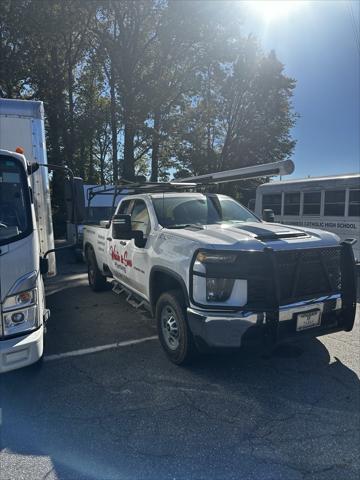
pixel 26 233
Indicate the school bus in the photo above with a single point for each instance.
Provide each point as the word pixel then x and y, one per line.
pixel 329 203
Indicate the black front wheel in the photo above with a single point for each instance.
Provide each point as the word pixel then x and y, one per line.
pixel 173 330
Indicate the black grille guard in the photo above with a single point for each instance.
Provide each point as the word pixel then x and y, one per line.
pixel 262 270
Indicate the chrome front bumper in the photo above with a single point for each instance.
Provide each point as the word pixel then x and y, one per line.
pixel 233 330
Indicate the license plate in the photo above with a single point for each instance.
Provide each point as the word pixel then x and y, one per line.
pixel 308 319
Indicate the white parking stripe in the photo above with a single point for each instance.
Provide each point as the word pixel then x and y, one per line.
pixel 87 351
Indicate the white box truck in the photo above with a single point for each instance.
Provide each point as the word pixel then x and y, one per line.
pixel 26 233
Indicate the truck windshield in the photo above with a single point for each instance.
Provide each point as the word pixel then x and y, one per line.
pixel 15 218
pixel 180 211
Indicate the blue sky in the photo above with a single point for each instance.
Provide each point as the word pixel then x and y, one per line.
pixel 317 44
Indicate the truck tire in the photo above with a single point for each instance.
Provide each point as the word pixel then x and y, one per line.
pixel 173 330
pixel 96 279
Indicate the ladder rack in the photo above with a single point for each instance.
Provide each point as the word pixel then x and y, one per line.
pixel 124 187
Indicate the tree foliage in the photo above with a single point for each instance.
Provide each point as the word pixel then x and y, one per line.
pixel 158 87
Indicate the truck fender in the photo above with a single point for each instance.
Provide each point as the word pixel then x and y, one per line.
pixel 163 279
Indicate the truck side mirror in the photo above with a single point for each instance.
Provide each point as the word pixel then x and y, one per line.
pixel 75 200
pixel 121 227
pixel 122 230
pixel 268 215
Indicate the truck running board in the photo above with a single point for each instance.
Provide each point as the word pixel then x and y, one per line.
pixel 131 298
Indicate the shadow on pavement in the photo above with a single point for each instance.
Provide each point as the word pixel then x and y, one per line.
pixel 130 413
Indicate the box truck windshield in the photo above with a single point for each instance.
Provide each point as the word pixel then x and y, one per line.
pixel 15 212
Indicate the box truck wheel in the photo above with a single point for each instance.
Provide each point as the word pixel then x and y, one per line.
pixel 173 330
pixel 97 281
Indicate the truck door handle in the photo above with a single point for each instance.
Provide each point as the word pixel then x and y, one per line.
pixel 109 239
pixel 123 243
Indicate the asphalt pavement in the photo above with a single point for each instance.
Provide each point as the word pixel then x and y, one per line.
pixel 123 411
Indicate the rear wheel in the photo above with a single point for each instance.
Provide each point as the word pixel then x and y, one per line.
pixel 174 333
pixel 97 281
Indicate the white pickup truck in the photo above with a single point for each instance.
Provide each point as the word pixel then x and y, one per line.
pixel 215 275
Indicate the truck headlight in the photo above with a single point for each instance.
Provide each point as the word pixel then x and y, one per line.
pixel 20 300
pixel 20 313
pixel 219 289
pixel 215 257
pixel 19 321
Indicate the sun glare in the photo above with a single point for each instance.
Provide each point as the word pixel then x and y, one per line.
pixel 272 10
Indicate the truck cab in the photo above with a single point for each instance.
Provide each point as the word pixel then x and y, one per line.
pixel 26 233
pixel 22 305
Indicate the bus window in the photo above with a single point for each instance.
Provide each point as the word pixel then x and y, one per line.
pixel 292 204
pixel 312 203
pixel 273 202
pixel 354 203
pixel 334 203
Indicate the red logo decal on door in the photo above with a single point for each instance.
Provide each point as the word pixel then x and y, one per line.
pixel 115 255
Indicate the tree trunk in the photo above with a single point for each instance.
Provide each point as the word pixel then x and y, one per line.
pixel 102 165
pixel 71 137
pixel 82 158
pixel 155 148
pixel 114 140
pixel 129 167
pixel 91 164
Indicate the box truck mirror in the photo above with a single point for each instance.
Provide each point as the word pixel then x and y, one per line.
pixel 74 191
pixel 75 200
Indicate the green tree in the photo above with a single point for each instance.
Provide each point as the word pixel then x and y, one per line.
pixel 155 87
pixel 14 61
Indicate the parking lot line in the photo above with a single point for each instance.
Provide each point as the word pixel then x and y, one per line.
pixel 101 348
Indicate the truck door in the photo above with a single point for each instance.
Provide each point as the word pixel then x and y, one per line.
pixel 128 263
pixel 117 251
pixel 139 257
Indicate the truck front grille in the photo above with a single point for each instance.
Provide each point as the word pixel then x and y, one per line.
pixel 300 274
pixel 308 272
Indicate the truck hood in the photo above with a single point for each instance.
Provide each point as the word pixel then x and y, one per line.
pixel 257 236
